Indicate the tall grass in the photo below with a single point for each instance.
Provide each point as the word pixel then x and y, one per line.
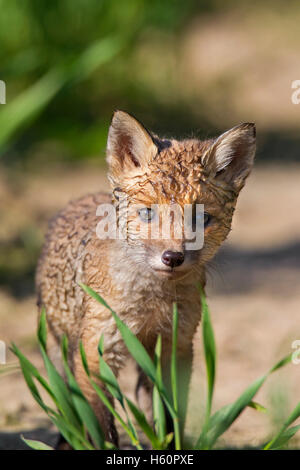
pixel 73 416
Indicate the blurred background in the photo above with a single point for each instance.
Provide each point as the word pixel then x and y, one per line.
pixel 185 69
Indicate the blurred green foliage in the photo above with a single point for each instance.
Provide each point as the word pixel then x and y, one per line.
pixel 70 64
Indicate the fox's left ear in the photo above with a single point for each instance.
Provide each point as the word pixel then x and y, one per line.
pixel 129 145
pixel 231 156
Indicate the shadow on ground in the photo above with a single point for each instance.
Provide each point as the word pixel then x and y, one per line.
pixel 238 271
pixel 13 441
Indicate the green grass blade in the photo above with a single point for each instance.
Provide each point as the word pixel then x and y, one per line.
pixel 42 329
pixel 256 406
pixel 223 418
pixel 82 406
pixel 293 416
pixel 101 394
pixel 209 352
pixel 57 384
pixel 159 415
pixel 36 445
pixel 134 346
pixel 167 441
pixel 136 349
pixel 84 358
pixel 108 377
pixel 29 371
pixel 174 383
pixel 282 437
pixel 71 433
pixel 74 436
pixel 286 360
pixel 144 425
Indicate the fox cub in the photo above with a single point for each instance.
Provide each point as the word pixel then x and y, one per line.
pixel 140 276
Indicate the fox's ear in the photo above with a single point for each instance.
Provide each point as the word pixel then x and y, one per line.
pixel 129 144
pixel 231 156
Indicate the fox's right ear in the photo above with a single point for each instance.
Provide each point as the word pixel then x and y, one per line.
pixel 231 155
pixel 129 144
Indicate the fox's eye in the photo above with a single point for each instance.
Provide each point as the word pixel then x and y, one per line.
pixel 146 214
pixel 203 216
pixel 207 219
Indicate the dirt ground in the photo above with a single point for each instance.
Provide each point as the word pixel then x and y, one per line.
pixel 253 295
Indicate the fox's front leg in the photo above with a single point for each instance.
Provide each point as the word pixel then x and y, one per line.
pixel 144 389
pixel 114 356
pixel 144 394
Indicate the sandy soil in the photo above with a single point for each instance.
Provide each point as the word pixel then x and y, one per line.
pixel 253 294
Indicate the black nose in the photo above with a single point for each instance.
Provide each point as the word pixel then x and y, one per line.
pixel 172 258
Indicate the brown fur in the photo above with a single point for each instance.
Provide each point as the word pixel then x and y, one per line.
pixel 127 272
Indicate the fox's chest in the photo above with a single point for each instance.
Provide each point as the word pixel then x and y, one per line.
pixel 151 314
pixel 145 303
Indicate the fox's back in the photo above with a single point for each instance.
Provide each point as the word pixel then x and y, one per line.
pixel 63 261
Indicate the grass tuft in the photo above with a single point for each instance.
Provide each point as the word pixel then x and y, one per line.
pixel 75 419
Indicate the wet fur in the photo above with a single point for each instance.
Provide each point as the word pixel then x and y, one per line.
pixel 147 170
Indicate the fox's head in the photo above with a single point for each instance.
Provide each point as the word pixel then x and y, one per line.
pixel 152 175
